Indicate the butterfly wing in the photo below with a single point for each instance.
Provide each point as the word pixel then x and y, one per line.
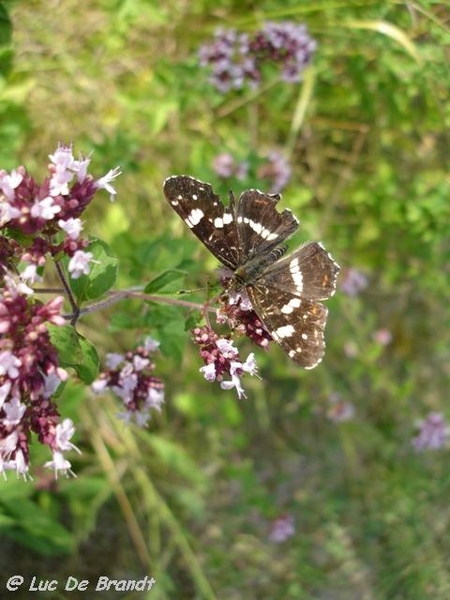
pixel 285 297
pixel 260 226
pixel 296 324
pixel 310 272
pixel 205 214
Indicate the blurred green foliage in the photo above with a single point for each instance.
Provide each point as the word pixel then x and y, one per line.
pixel 191 500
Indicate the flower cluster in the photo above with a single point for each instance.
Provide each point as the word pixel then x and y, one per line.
pixel 29 376
pixel 286 44
pixel 274 169
pixel 222 359
pixel 433 432
pixel 230 60
pixel 48 214
pixel 238 313
pixel 129 377
pixel 226 166
pixel 354 282
pixel 382 336
pixel 339 410
pixel 236 59
pixel 282 529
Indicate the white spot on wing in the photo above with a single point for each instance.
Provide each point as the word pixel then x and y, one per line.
pixel 194 218
pixel 296 273
pixel 293 303
pixel 284 331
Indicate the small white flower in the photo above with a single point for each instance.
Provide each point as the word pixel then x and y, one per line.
pixel 154 398
pixel 226 348
pixel 8 183
pixel 72 227
pixel 64 431
pixel 209 372
pixel 51 384
pixel 113 359
pixel 234 382
pixel 18 465
pixel 79 264
pixel 45 209
pixel 150 344
pixel 242 296
pixel 8 444
pixel 63 157
pixel 21 465
pixel 4 391
pixel 30 275
pixel 105 182
pixel 250 365
pixel 16 288
pixel 59 463
pixel 59 183
pixel 140 363
pixel 7 212
pixel 9 364
pixel 14 411
pixel 80 167
pixel 128 381
pixel 235 365
pixel 99 385
pixel 123 394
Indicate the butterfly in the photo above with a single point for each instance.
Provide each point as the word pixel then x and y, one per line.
pixel 247 236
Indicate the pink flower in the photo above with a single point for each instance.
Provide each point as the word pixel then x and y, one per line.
pixel 282 528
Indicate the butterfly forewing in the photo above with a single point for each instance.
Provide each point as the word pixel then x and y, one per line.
pixel 260 226
pixel 205 214
pixel 246 237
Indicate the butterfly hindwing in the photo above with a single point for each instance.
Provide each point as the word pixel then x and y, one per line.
pixel 310 272
pixel 296 324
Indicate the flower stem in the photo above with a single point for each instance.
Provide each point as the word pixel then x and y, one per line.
pixel 134 293
pixel 75 309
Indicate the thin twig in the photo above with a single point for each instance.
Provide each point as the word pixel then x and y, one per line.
pixel 73 304
pixel 49 290
pixel 115 297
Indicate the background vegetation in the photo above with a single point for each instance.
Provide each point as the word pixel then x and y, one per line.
pixel 191 500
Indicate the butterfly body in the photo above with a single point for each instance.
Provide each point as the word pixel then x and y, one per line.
pixel 247 237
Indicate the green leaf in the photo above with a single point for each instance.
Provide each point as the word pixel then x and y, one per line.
pixel 168 282
pixel 5 26
pixel 166 324
pixel 88 370
pixel 175 457
pixel 75 352
pixel 36 528
pixel 103 273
